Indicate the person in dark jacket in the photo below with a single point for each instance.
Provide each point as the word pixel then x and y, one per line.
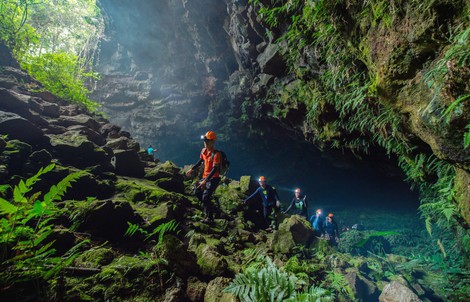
pixel 318 222
pixel 298 204
pixel 269 200
pixel 331 230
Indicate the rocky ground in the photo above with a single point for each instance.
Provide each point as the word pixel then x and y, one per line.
pixel 120 184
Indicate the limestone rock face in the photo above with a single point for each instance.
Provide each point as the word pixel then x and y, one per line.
pixel 397 292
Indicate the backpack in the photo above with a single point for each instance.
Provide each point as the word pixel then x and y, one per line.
pixel 224 163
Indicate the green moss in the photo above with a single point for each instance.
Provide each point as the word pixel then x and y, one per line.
pixel 94 258
pixel 135 190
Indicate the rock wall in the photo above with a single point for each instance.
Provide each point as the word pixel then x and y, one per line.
pixel 174 68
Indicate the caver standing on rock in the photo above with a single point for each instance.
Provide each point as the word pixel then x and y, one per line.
pixel 298 204
pixel 270 202
pixel 331 230
pixel 211 176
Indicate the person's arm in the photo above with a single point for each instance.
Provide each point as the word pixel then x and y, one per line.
pixel 251 196
pixel 215 168
pixel 195 166
pixel 290 206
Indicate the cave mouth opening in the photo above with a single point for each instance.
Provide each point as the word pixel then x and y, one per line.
pixel 361 189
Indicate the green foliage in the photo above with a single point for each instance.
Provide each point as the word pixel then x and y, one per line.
pixel 27 252
pixel 369 236
pixel 466 138
pixel 60 59
pixel 61 73
pixel 266 284
pixel 314 294
pixel 340 285
pixel 458 52
pixel 157 254
pixel 160 230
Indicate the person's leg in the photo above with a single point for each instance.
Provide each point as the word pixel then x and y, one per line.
pixel 267 216
pixel 211 186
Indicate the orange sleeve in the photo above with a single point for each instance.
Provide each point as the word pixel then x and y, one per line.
pixel 217 159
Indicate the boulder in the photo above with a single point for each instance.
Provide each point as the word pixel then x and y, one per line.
pixel 363 289
pixel 171 184
pixel 15 102
pixel 19 128
pixel 37 160
pixel 195 289
pixel 80 119
pixel 210 261
pixel 397 292
pixel 180 260
pixel 108 219
pixel 127 163
pixel 76 148
pixel 110 130
pixel 92 135
pixel 174 294
pixel 214 291
pixel 292 231
pixel 123 143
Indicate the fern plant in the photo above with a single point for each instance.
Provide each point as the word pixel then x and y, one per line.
pixel 25 227
pixel 266 284
pixel 159 232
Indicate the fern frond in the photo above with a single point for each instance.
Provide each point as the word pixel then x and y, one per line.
pixel 58 191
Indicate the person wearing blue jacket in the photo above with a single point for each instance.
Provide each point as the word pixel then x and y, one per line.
pixel 269 199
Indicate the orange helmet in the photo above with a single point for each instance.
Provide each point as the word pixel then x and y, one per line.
pixel 262 178
pixel 331 215
pixel 297 190
pixel 210 135
pixel 319 211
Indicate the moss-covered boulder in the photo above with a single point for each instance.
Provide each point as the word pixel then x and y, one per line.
pixel 107 219
pixel 210 261
pixel 397 292
pixel 181 261
pixel 229 199
pixel 164 170
pixel 214 291
pixel 195 289
pixel 95 257
pixel 292 231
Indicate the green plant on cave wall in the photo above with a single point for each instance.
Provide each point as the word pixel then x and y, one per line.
pixel 344 108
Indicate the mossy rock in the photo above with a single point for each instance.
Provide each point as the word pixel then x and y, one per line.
pixel 136 190
pixel 214 291
pixel 195 289
pixel 108 219
pixel 292 231
pixel 229 199
pixel 180 260
pixel 17 153
pixel 164 170
pixel 95 258
pixel 210 261
pixel 171 184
